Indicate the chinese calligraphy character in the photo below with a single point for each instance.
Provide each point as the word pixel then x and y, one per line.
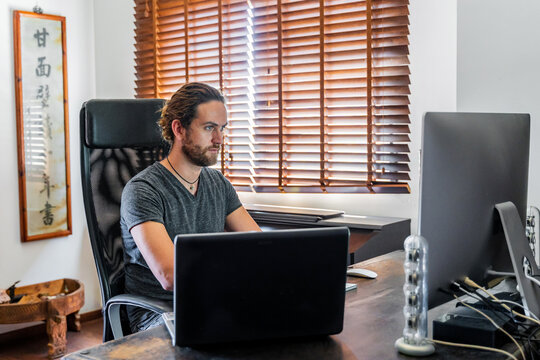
pixel 41 37
pixel 43 94
pixel 48 127
pixel 48 216
pixel 43 69
pixel 46 185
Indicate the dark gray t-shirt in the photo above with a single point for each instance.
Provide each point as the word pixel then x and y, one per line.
pixel 156 195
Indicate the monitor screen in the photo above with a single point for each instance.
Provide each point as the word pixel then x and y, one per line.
pixel 470 162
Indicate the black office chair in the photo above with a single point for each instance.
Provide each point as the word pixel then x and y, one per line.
pixel 119 138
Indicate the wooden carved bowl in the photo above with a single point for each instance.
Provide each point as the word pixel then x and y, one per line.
pixel 57 302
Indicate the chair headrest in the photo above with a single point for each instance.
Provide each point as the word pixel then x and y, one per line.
pixel 121 123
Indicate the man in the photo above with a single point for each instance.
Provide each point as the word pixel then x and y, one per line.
pixel 178 195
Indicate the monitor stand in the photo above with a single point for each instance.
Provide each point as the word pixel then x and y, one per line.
pixel 522 257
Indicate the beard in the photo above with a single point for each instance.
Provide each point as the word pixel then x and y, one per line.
pixel 199 155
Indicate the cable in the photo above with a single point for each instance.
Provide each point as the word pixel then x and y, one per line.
pixel 533 350
pixel 531 347
pixel 494 324
pixel 484 300
pixel 479 347
pixel 472 283
pixel 479 297
pixel 516 304
pixel 515 331
pixel 500 273
pixel 532 278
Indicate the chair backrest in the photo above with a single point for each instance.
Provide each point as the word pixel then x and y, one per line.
pixel 119 138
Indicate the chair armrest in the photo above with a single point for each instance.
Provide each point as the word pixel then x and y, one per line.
pixel 113 309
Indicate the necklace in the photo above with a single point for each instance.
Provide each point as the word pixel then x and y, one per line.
pixel 181 177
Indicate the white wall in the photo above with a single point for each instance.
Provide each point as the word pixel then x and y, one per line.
pixel 433 87
pixel 497 65
pixel 114 39
pixel 69 256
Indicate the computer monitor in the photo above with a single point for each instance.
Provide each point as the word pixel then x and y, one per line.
pixel 470 162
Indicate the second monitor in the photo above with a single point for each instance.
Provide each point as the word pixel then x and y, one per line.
pixel 470 163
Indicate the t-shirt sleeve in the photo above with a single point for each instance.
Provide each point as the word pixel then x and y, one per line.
pixel 233 202
pixel 140 203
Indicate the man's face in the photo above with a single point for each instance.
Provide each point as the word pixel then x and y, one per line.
pixel 204 136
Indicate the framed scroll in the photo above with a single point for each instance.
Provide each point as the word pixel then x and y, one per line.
pixel 42 125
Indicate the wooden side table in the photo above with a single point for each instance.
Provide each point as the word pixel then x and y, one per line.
pixel 57 302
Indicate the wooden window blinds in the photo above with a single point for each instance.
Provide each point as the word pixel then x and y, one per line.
pixel 317 90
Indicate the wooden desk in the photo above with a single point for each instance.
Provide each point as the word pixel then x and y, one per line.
pixel 373 321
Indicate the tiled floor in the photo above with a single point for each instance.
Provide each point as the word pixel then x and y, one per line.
pixel 35 347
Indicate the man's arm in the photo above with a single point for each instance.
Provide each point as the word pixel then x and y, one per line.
pixel 240 220
pixel 157 249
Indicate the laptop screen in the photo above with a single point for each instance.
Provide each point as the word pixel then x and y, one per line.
pixel 242 286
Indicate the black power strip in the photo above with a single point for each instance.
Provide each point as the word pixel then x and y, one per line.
pixel 466 326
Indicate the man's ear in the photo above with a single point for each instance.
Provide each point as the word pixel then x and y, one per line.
pixel 178 130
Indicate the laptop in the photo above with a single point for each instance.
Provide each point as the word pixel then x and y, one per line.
pixel 244 286
pixel 288 213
